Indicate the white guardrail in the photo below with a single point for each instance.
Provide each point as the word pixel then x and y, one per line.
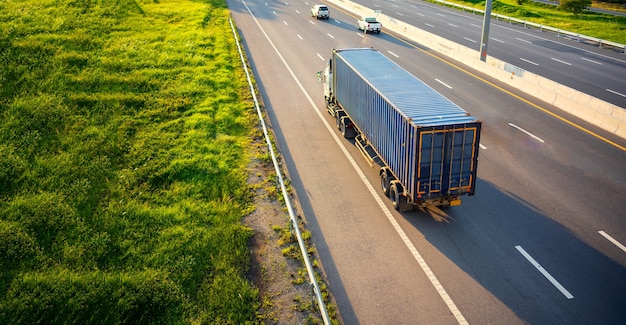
pixel 607 116
pixel 292 216
pixel 578 37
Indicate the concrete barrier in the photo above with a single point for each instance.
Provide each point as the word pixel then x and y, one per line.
pixel 605 115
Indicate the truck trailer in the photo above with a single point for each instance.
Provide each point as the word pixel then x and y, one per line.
pixel 425 145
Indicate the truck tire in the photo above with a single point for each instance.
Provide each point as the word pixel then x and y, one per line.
pixel 347 132
pixel 397 199
pixel 338 116
pixel 384 181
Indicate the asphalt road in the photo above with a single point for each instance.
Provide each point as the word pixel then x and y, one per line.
pixel 585 67
pixel 540 241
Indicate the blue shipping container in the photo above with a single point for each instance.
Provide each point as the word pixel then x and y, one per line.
pixel 429 143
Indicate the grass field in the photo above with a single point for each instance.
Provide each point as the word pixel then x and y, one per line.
pixel 603 26
pixel 124 135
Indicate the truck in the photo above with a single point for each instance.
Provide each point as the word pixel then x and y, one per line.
pixel 369 24
pixel 426 147
pixel 320 12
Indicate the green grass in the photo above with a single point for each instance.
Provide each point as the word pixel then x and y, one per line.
pixel 603 26
pixel 124 128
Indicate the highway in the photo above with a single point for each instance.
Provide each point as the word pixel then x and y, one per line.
pixel 541 242
pixel 584 67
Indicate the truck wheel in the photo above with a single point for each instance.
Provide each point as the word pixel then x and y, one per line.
pixel 338 116
pixel 347 132
pixel 397 199
pixel 384 182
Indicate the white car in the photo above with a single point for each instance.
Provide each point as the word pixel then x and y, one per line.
pixel 369 24
pixel 320 12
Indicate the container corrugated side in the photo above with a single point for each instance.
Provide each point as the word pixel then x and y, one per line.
pixel 424 150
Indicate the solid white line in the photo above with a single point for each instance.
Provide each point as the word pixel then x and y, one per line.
pixel 468 39
pixel 482 147
pixel 523 40
pixel 528 133
pixel 615 92
pixel 545 273
pixel 320 56
pixel 407 242
pixel 612 240
pixel 393 54
pixel 443 83
pixel 560 61
pixel 531 62
pixel 331 36
pixel 592 61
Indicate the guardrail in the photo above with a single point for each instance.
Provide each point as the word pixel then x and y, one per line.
pixel 292 216
pixel 578 37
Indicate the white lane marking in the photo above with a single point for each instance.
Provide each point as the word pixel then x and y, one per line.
pixel 400 14
pixel 393 54
pixel 420 14
pixel 443 83
pixel 407 242
pixel 331 36
pixel 360 35
pixel 615 92
pixel 545 273
pixel 523 40
pixel 612 240
pixel 592 61
pixel 284 22
pixel 497 40
pixel 482 147
pixel 474 25
pixel 274 12
pixel 286 4
pixel 531 62
pixel 561 61
pixel 453 25
pixel 320 56
pixel 395 6
pixel 297 11
pixel 429 25
pixel 526 132
pixel 312 23
pixel 300 37
pixel 442 15
pixel 469 39
pixel 337 21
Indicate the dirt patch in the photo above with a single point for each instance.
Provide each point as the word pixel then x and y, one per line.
pixel 285 293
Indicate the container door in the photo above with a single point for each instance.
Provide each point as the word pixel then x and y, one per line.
pixel 446 162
